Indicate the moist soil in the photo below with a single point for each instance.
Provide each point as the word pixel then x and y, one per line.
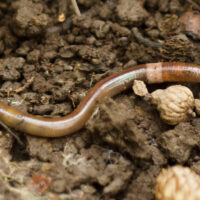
pixel 47 67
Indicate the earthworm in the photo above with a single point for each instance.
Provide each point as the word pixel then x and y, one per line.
pixel 110 86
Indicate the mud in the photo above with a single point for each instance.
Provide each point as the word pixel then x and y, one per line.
pixel 47 67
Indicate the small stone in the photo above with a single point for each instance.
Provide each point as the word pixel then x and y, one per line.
pixel 140 88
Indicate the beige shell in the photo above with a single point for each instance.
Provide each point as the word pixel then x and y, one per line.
pixel 174 103
pixel 177 183
pixel 197 106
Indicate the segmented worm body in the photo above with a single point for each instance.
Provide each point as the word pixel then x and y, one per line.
pixel 112 85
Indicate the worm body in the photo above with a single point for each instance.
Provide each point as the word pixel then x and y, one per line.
pixel 110 86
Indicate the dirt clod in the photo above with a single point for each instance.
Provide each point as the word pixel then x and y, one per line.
pixel 179 142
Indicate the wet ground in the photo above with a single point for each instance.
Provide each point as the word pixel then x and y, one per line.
pixel 47 67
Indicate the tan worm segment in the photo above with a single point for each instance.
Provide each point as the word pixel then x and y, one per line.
pixel 112 85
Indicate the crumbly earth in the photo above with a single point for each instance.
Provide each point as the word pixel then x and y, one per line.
pixel 47 67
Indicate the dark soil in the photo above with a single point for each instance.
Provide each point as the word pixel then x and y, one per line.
pixel 47 67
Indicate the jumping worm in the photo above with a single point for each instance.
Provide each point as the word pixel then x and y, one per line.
pixel 112 85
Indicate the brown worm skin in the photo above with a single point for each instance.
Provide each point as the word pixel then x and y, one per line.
pixel 112 85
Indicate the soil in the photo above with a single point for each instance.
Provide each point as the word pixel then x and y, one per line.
pixel 47 67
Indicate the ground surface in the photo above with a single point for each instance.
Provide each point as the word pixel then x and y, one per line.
pixel 46 68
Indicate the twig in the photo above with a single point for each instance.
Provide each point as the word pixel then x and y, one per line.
pixel 145 41
pixel 18 90
pixel 12 133
pixel 76 9
pixel 26 85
